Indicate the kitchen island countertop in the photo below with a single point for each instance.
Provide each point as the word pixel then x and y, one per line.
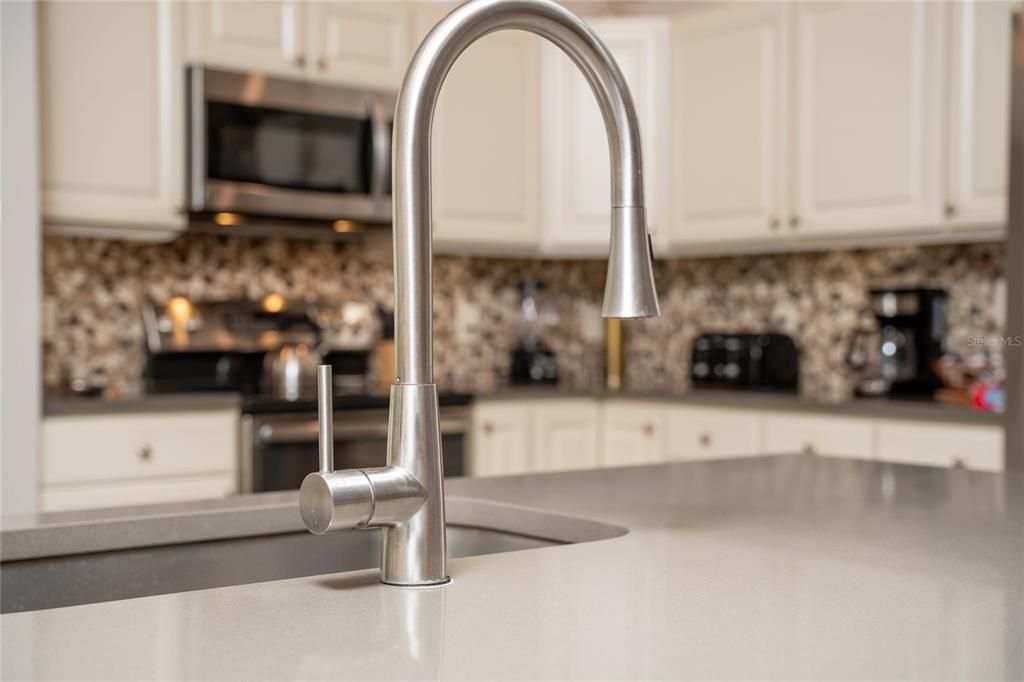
pixel 767 567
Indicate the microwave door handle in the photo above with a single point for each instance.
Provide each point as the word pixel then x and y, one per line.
pixel 381 141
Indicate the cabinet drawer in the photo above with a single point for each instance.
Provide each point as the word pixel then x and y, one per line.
pixel 973 447
pixel 122 493
pixel 78 449
pixel 707 433
pixel 835 436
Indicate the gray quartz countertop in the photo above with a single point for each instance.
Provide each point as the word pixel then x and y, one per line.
pixel 768 567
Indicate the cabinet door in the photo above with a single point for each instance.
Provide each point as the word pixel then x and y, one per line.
pixel 485 146
pixel 633 433
pixel 825 435
pixel 501 438
pixel 868 121
pixel 362 43
pixel 979 109
pixel 728 123
pixel 259 35
pixel 710 433
pixel 565 435
pixel 577 181
pixel 111 106
pixel 971 447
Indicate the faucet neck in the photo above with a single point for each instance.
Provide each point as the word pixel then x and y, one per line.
pixel 412 134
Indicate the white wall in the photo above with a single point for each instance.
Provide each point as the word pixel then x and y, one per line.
pixel 20 270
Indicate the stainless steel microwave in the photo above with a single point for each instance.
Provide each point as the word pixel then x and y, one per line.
pixel 273 147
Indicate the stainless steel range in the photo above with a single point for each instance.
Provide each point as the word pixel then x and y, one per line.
pixel 268 352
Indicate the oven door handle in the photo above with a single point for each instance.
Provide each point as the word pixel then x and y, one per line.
pixel 309 431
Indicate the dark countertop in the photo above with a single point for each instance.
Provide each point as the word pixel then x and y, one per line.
pixel 174 402
pixel 891 408
pixel 788 567
pixel 135 403
pixel 885 408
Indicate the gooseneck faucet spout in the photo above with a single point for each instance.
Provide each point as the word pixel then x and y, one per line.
pixel 406 497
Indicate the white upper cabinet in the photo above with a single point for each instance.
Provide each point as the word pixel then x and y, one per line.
pixel 111 82
pixel 365 43
pixel 486 162
pixel 577 181
pixel 251 35
pixel 357 43
pixel 868 117
pixel 979 112
pixel 728 142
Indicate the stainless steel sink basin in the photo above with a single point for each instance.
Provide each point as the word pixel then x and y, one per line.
pixel 69 579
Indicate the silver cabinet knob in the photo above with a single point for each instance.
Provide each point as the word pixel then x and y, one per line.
pixel 145 453
pixel 774 223
pixel 300 61
pixel 950 209
pixel 809 449
pixel 488 427
pixel 648 429
pixel 794 221
pixel 321 64
pixel 704 439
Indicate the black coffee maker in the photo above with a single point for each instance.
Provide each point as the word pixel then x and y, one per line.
pixel 533 362
pixel 912 326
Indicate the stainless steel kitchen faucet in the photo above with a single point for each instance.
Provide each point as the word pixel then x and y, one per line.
pixel 406 497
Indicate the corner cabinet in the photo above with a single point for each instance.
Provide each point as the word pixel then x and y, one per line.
pixel 112 118
pixel 868 117
pixel 729 143
pixel 576 171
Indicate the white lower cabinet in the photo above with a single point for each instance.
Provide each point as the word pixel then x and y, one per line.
pixel 125 459
pixel 633 432
pixel 565 435
pixel 970 447
pixel 709 432
pixel 520 436
pixel 556 434
pixel 818 435
pixel 501 438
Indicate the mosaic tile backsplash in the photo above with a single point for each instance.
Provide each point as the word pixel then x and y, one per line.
pixel 93 290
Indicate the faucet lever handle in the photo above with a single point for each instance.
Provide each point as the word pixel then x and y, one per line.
pixel 325 411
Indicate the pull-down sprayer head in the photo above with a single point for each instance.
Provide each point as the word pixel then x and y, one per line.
pixel 629 288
